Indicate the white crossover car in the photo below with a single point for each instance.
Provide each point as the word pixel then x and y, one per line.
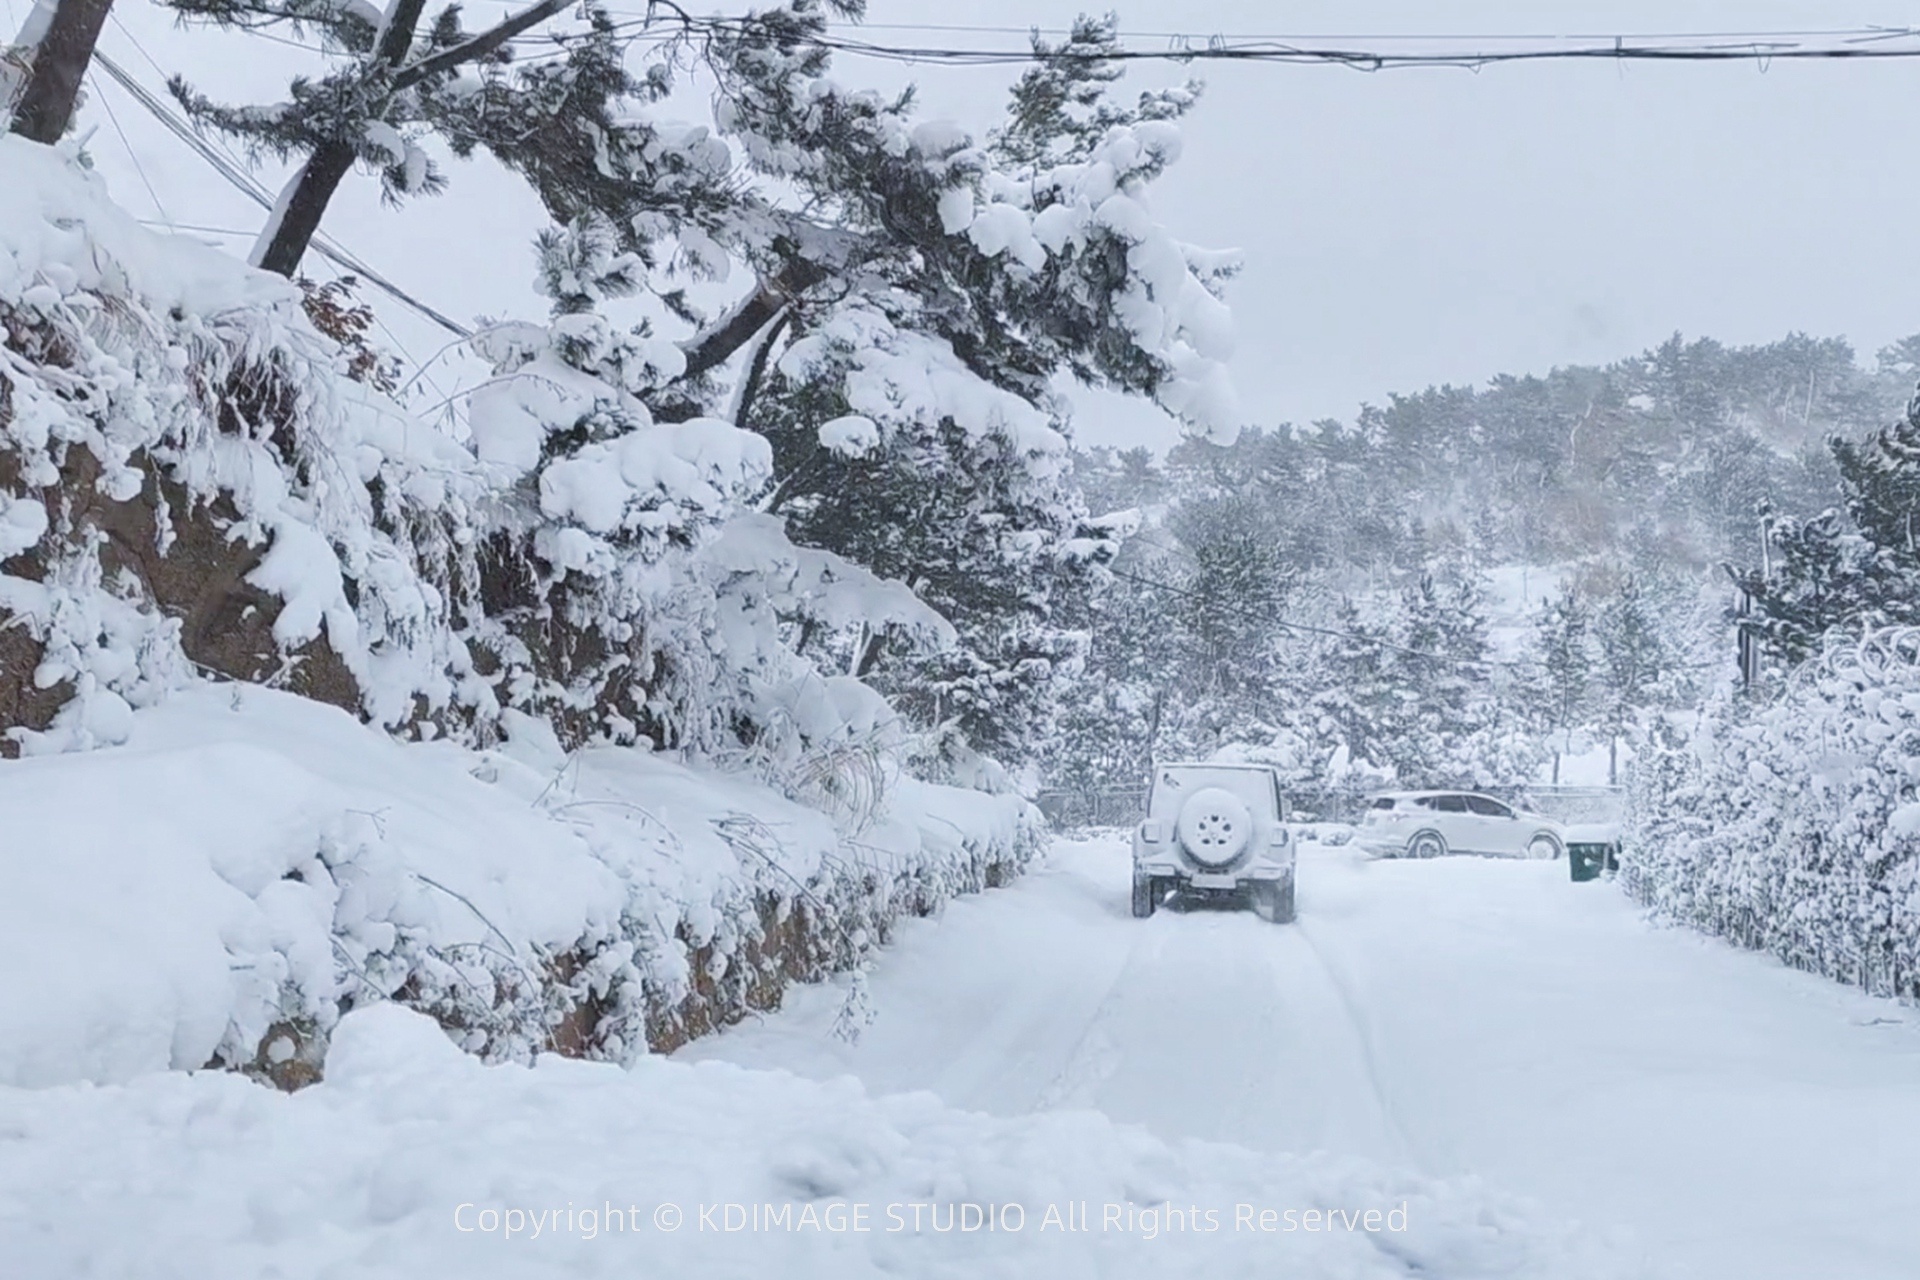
pixel 1427 824
pixel 1217 831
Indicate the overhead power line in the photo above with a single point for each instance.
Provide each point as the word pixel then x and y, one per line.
pixel 1299 36
pixel 245 183
pixel 1862 43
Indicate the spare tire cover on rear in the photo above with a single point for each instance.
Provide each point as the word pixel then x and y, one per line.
pixel 1214 826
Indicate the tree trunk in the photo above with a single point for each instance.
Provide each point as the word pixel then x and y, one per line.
pixel 1613 761
pixel 870 653
pixel 757 366
pixel 60 60
pixel 284 240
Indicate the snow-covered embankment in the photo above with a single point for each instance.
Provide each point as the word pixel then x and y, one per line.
pixel 253 861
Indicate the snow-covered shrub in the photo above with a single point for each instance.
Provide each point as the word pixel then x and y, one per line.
pixel 269 863
pixel 627 588
pixel 188 479
pixel 1793 825
pixel 589 607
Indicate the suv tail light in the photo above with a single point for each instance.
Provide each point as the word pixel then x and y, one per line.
pixel 1152 833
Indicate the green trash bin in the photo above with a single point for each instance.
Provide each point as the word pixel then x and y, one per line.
pixel 1592 849
pixel 1586 861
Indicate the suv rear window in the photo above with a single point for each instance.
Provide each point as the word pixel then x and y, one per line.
pixel 1384 802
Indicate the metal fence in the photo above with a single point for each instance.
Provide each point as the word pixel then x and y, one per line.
pixel 1101 807
pixel 1570 804
pixel 1122 806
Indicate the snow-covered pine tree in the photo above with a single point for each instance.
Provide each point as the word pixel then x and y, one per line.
pixel 395 76
pixel 1563 650
pixel 1113 719
pixel 1822 574
pixel 1819 574
pixel 1434 718
pixel 1477 725
pixel 905 361
pixel 1881 479
pixel 1355 699
pixel 1634 661
pixel 912 298
pixel 1119 710
pixel 1237 588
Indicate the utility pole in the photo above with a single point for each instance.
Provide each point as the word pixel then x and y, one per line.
pixel 1748 652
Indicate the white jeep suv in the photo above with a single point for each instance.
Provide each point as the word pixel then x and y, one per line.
pixel 1427 824
pixel 1215 830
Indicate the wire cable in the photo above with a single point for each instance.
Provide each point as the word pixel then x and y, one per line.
pixel 1860 43
pixel 244 182
pixel 113 117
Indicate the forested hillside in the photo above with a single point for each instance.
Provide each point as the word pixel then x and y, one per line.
pixel 1461 585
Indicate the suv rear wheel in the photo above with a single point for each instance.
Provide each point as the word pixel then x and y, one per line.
pixel 1146 896
pixel 1427 844
pixel 1272 900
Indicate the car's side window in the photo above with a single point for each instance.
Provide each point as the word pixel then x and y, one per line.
pixel 1491 808
pixel 1450 804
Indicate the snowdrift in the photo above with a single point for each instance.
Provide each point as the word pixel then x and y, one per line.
pixel 397 1164
pixel 1794 827
pixel 251 864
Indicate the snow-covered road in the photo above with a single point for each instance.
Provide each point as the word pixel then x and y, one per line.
pixel 1464 1016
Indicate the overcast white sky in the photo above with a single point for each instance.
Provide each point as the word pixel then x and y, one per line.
pixel 1399 229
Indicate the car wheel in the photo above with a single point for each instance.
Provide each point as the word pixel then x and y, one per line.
pixel 1146 896
pixel 1427 844
pixel 1544 847
pixel 1273 900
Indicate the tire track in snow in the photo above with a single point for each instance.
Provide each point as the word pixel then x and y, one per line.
pixel 1094 1057
pixel 1217 1025
pixel 1362 1036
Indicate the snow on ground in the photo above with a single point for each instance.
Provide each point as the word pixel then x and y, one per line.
pixel 147 893
pixel 1463 1016
pixel 410 1158
pixel 1547 1086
